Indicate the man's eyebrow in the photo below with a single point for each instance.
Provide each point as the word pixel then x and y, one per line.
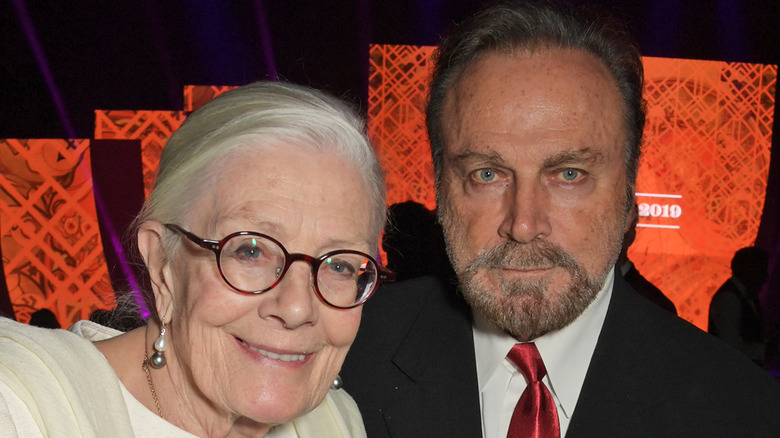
pixel 478 156
pixel 586 155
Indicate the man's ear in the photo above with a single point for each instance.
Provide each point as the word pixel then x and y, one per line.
pixel 150 245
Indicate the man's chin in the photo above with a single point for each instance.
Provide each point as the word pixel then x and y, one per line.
pixel 526 306
pixel 519 314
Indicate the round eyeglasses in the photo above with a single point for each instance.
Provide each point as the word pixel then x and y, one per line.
pixel 254 263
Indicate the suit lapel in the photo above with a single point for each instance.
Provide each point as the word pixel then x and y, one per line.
pixel 616 396
pixel 438 357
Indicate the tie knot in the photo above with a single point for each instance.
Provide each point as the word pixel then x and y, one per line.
pixel 528 361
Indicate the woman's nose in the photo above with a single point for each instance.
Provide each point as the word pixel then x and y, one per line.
pixel 293 301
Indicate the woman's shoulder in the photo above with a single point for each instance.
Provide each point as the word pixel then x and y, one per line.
pixel 342 402
pixel 57 377
pixel 26 350
pixel 13 332
pixel 336 416
pixel 74 341
pixel 93 331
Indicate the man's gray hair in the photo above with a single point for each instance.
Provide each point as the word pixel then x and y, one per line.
pixel 517 26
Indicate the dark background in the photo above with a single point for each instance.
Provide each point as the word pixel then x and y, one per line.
pixel 61 60
pixel 138 54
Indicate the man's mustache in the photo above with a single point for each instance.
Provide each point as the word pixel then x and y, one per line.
pixel 538 254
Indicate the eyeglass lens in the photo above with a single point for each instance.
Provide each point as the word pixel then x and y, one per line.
pixel 252 263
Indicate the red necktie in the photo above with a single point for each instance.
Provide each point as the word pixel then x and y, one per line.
pixel 535 415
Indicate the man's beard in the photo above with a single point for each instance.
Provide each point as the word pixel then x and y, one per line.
pixel 527 309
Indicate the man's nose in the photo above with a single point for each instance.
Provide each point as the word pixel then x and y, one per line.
pixel 526 213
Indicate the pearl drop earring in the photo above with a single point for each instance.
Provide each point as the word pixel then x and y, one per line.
pixel 157 360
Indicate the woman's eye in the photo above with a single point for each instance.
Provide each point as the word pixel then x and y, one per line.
pixel 486 175
pixel 249 249
pixel 339 267
pixel 569 175
pixel 249 252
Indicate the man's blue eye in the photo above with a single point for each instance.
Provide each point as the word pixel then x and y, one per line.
pixel 486 175
pixel 570 174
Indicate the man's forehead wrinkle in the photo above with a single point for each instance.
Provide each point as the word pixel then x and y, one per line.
pixel 454 115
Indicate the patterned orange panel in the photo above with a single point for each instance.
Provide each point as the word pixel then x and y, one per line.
pixel 397 88
pixel 195 96
pixel 153 128
pixel 52 253
pixel 702 178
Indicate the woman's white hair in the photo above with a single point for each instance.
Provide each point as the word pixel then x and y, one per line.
pixel 255 116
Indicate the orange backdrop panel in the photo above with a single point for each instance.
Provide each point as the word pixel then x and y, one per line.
pixel 153 128
pixel 52 253
pixel 702 178
pixel 195 96
pixel 398 84
pixel 701 183
pixel 707 141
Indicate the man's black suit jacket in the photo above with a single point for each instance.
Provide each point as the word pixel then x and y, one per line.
pixel 412 372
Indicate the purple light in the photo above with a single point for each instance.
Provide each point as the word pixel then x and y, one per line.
pixel 123 263
pixel 40 57
pixel 265 37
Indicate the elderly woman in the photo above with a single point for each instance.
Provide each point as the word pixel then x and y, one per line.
pixel 257 241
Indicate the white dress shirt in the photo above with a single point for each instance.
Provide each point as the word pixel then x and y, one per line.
pixel 566 354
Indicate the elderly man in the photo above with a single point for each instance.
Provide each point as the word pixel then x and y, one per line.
pixel 535 119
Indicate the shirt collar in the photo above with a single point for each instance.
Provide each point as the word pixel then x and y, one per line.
pixel 566 353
